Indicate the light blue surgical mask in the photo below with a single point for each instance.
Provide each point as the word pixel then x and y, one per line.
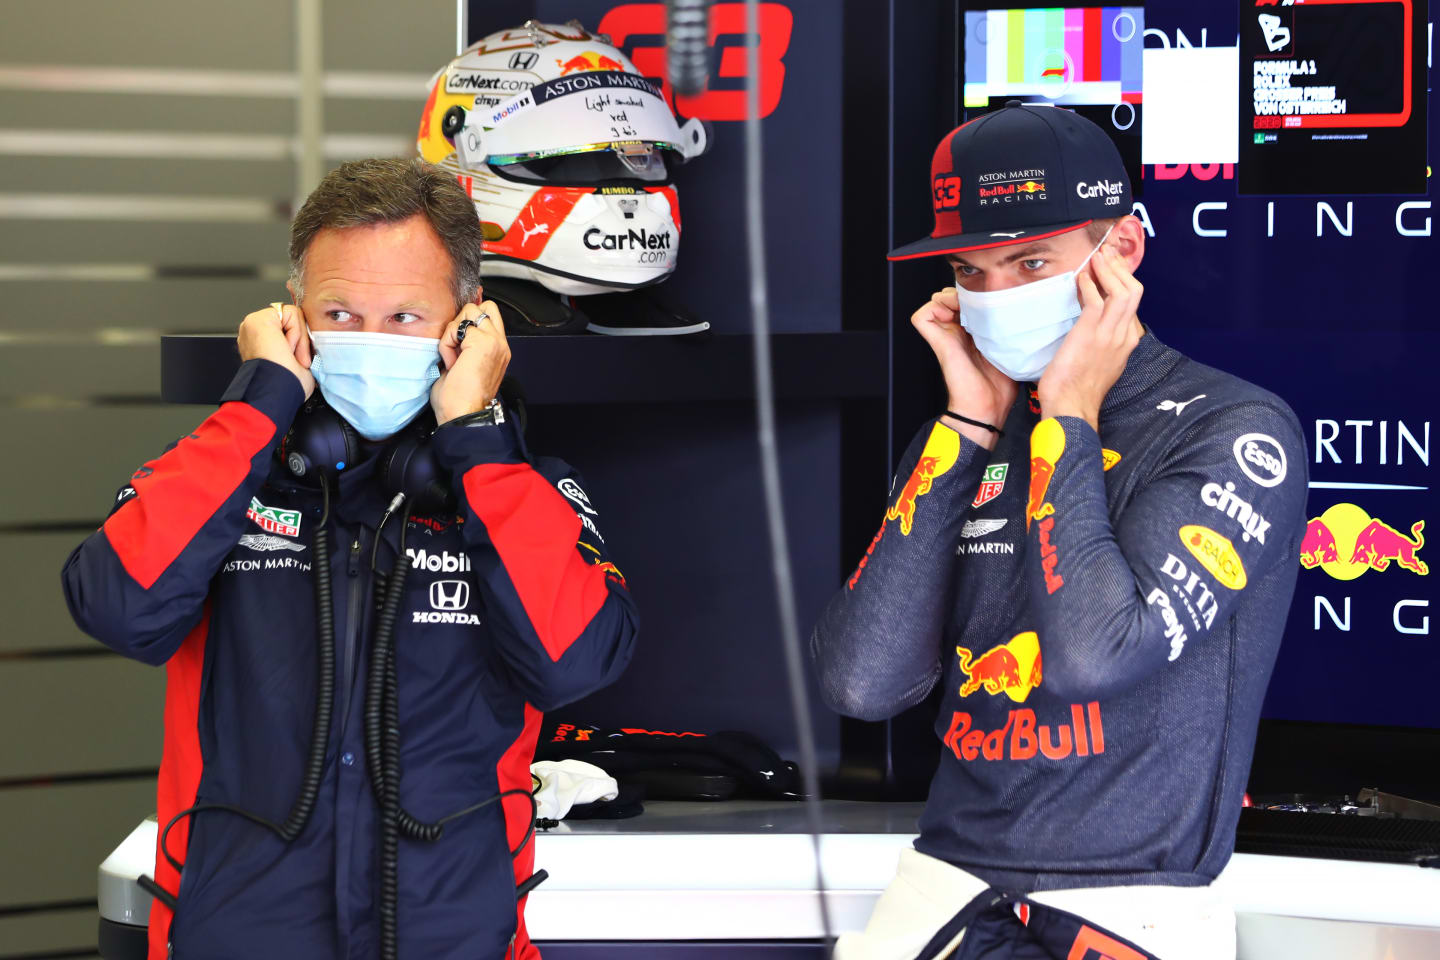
pixel 377 381
pixel 1020 329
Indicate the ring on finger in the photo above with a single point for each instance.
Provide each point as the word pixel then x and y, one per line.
pixel 466 324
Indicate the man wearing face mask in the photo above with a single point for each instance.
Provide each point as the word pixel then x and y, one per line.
pixel 209 564
pixel 1091 553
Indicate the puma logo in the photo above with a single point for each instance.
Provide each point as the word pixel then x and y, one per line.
pixel 528 232
pixel 1012 236
pixel 1179 408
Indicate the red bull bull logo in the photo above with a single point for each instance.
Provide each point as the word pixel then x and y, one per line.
pixel 612 571
pixel 1346 542
pixel 1047 445
pixel 941 451
pixel 589 60
pixel 1030 186
pixel 1013 668
pixel 1023 737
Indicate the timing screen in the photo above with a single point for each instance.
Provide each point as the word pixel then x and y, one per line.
pixel 1330 97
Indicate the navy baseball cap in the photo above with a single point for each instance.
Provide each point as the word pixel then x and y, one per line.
pixel 1019 174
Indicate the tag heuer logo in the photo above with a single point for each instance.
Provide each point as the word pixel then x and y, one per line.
pixel 274 519
pixel 993 483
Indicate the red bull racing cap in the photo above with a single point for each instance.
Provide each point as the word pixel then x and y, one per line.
pixel 1018 174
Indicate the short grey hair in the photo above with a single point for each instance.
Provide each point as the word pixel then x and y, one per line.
pixel 367 192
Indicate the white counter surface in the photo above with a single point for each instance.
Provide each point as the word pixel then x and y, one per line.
pixel 746 870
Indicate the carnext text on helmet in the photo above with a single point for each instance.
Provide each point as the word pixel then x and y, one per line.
pixel 597 239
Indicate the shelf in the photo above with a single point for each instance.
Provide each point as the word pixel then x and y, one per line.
pixel 195 368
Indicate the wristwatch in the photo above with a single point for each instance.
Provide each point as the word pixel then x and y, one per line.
pixel 492 415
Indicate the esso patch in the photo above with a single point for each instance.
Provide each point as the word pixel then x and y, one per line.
pixel 1261 458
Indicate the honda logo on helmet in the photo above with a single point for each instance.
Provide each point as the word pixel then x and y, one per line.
pixel 524 61
pixel 449 594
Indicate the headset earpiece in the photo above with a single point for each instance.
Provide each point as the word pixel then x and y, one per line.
pixel 408 466
pixel 320 443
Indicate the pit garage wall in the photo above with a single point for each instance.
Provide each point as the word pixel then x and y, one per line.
pixel 1323 299
pixel 147 156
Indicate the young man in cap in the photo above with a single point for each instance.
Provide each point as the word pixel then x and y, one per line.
pixel 1102 634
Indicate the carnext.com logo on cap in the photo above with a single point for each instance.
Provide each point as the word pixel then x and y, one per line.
pixel 1109 189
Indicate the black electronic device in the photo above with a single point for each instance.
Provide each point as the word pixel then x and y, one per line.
pixel 320 445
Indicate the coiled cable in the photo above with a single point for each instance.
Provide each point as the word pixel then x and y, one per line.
pixel 382 756
pixel 314 773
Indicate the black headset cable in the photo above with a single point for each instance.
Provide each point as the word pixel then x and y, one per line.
pixel 310 780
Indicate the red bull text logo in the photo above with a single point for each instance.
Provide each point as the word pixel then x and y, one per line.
pixel 564 730
pixel 1047 445
pixel 1049 557
pixel 941 451
pixel 1013 668
pixel 1345 542
pixel 1022 737
pixel 589 60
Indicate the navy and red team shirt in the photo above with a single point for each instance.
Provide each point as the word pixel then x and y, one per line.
pixel 1101 611
pixel 513 607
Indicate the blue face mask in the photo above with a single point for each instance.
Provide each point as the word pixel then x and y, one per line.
pixel 377 381
pixel 1020 329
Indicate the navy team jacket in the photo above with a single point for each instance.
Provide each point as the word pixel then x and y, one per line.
pixel 512 608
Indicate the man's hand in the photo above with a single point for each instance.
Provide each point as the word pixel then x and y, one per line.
pixel 474 367
pixel 1095 351
pixel 974 387
pixel 277 333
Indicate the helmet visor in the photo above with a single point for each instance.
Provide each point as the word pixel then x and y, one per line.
pixel 586 164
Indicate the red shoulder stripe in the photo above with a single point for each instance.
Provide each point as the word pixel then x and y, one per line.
pixel 513 773
pixel 535 531
pixel 178 493
pixel 180 766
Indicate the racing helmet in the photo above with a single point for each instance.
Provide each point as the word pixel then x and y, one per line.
pixel 567 152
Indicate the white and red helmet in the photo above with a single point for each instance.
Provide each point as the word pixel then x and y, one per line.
pixel 567 151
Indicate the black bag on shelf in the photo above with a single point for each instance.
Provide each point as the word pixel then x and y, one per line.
pixel 727 764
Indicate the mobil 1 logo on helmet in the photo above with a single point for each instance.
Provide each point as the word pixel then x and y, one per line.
pixel 1261 458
